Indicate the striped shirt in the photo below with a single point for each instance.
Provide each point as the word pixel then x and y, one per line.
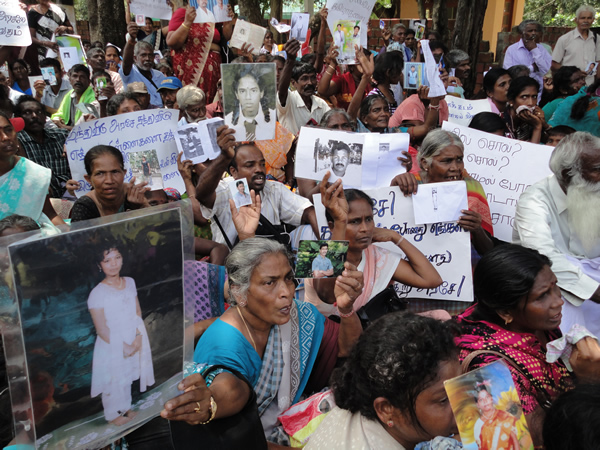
pixel 50 155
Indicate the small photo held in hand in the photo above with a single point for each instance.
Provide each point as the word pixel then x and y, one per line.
pixel 346 35
pixel 145 166
pixel 321 259
pixel 299 23
pixel 414 75
pixel 48 75
pixel 240 192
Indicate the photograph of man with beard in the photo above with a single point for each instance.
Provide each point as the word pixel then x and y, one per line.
pixel 559 216
pixel 249 100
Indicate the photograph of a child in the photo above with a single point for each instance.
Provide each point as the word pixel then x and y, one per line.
pixel 321 259
pixel 487 409
pixel 145 166
pixel 414 75
pixel 240 192
pixel 249 93
pixel 94 307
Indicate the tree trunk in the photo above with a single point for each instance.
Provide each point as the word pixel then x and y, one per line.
pixel 277 13
pixel 439 17
pixel 250 9
pixel 467 36
pixel 106 23
pixel 421 6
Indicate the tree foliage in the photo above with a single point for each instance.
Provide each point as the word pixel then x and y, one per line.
pixel 555 13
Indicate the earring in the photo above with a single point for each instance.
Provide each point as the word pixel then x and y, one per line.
pixel 390 423
pixel 242 304
pixel 507 321
pixel 99 269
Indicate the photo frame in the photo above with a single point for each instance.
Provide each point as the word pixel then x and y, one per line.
pixel 414 75
pixel 240 192
pixel 249 100
pixel 64 366
pixel 347 34
pixel 145 167
pixel 487 408
pixel 299 26
pixel 321 259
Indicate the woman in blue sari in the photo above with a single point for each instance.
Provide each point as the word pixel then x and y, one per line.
pixel 281 346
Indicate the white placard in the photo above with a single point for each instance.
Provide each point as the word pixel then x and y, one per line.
pixel 14 29
pixel 440 202
pixel 446 245
pixel 505 168
pixel 354 10
pixel 379 171
pixel 152 129
pixel 198 141
pixel 461 111
pixel 247 33
pixel 158 9
pixel 68 56
pixel 340 152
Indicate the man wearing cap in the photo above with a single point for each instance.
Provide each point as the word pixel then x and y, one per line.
pixel 168 92
pixel 142 54
pixel 138 89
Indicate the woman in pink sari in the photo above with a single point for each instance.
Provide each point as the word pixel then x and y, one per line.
pixel 380 266
pixel 195 47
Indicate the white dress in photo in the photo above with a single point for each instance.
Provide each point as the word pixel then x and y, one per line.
pixel 112 373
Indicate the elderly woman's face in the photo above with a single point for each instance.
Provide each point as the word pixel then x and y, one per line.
pixel 541 310
pixel 271 292
pixel 196 112
pixel 339 122
pixel 107 177
pixel 379 115
pixel 112 54
pixel 447 165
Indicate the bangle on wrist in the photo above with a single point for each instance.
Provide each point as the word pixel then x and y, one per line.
pixel 184 25
pixel 399 240
pixel 345 316
pixel 212 410
pixel 436 107
pixel 332 67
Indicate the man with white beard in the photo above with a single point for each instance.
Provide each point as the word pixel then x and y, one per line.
pixel 559 216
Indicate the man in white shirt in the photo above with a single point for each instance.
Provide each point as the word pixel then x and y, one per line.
pixel 300 107
pixel 338 37
pixel 529 53
pixel 579 47
pixel 278 204
pixel 560 217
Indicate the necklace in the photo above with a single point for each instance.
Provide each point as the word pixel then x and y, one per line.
pixel 247 329
pixel 120 284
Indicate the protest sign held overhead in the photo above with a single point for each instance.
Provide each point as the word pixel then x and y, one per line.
pixel 14 29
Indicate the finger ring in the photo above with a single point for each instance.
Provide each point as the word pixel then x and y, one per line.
pixel 197 410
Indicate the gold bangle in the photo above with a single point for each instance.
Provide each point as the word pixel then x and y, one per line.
pixel 184 25
pixel 332 67
pixel 212 410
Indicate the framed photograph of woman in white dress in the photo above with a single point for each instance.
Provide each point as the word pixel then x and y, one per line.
pixel 102 320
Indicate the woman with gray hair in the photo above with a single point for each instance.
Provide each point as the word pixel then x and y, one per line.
pixel 192 104
pixel 441 159
pixel 268 340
